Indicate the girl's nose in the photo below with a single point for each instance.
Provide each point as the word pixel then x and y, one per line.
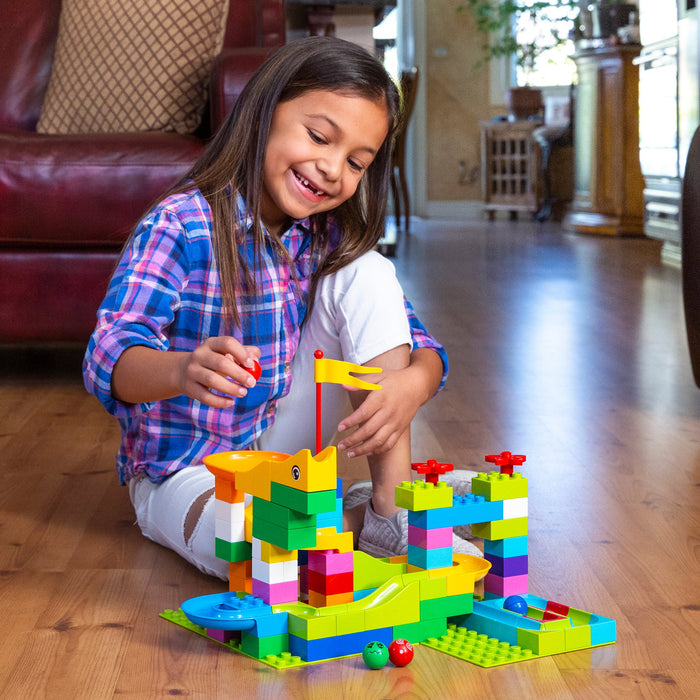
pixel 331 165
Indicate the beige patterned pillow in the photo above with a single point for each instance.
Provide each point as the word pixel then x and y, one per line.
pixel 132 65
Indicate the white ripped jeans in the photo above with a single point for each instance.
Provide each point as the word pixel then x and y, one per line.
pixel 358 314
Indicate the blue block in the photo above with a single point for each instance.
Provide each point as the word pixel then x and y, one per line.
pixel 493 610
pixel 359 595
pixel 603 630
pixel 507 566
pixel 483 624
pixel 335 647
pixel 509 547
pixel 332 518
pixel 339 490
pixel 271 625
pixel 470 509
pixel 429 558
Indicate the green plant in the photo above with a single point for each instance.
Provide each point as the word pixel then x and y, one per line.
pixel 496 21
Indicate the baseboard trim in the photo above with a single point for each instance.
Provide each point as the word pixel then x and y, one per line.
pixel 455 210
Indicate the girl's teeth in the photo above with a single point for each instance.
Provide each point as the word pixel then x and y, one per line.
pixel 306 183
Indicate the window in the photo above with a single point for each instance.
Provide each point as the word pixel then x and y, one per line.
pixel 547 23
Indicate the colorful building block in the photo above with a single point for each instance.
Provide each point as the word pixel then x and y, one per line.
pixel 282 516
pixel 505 585
pixel 433 538
pixel 429 558
pixel 500 529
pixel 508 547
pixel 514 508
pixel 329 562
pixel 276 593
pixel 297 552
pixel 507 566
pixel 494 486
pixel 316 502
pixel 422 495
pixel 232 551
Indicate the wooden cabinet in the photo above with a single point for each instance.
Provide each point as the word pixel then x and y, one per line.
pixel 608 182
pixel 509 166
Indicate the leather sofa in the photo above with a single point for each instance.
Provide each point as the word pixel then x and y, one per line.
pixel 67 203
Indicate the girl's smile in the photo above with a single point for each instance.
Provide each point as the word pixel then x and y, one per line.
pixel 320 145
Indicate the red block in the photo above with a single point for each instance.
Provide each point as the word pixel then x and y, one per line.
pixel 330 585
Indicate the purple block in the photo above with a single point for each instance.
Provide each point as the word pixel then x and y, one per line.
pixel 224 636
pixel 507 566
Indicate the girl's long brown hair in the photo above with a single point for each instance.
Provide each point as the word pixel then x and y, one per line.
pixel 233 161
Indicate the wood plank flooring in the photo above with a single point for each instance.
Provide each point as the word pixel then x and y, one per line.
pixel 568 349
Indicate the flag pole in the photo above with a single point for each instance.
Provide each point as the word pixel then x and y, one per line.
pixel 318 355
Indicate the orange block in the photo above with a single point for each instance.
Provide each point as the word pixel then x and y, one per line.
pixel 318 600
pixel 225 490
pixel 240 576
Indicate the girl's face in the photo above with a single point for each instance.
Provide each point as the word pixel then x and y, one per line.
pixel 320 145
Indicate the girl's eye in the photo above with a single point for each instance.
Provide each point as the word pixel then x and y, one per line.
pixel 316 138
pixel 356 166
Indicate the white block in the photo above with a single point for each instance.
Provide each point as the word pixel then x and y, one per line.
pixel 276 572
pixel 230 531
pixel 515 508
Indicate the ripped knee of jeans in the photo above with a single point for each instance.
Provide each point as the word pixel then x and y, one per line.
pixel 195 513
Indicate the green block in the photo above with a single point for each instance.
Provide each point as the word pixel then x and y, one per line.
pixel 495 486
pixel 369 572
pixel 477 648
pixel 500 529
pixel 542 643
pixel 260 647
pixel 401 607
pixel 232 551
pixel 278 661
pixel 312 626
pixel 449 606
pixel 305 503
pixel 422 495
pixel 301 538
pixel 416 632
pixel 281 515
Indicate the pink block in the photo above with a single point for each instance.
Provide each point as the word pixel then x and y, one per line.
pixel 276 593
pixel 329 562
pixel 505 586
pixel 435 538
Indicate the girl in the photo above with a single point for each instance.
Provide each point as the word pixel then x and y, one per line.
pixel 264 252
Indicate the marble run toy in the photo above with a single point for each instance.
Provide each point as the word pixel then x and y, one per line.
pixel 299 594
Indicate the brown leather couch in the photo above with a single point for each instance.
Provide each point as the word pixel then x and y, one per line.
pixel 67 203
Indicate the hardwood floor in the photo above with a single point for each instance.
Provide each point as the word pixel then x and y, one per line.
pixel 568 349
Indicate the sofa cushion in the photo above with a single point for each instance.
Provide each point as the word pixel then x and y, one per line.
pixel 132 66
pixel 28 32
pixel 85 191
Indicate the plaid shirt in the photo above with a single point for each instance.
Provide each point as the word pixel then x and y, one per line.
pixel 165 294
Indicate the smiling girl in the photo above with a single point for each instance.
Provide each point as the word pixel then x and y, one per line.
pixel 264 252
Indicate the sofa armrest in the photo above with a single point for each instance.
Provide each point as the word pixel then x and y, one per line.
pixel 232 70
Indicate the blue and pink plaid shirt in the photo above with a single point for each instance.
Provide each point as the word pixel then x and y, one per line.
pixel 165 294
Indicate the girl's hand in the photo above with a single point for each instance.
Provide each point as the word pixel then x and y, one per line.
pixel 383 415
pixel 220 365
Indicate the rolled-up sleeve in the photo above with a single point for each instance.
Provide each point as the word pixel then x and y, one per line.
pixel 423 339
pixel 140 304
